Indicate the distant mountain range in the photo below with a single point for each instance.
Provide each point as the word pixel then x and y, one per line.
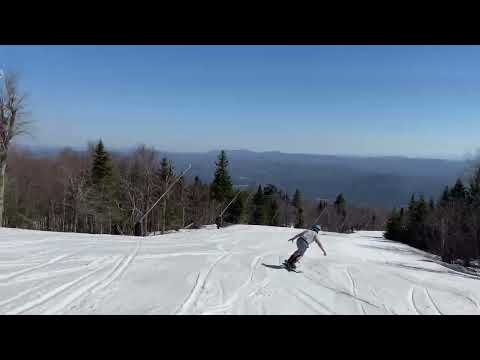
pixel 371 181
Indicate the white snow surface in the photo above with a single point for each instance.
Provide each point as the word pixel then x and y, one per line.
pixel 233 270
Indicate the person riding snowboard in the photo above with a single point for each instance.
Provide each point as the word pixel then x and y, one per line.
pixel 305 238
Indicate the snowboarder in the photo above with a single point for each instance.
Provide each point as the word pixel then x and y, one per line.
pixel 304 239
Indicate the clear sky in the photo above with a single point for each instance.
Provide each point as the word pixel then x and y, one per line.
pixel 375 100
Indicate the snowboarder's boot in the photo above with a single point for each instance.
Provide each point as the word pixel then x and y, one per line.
pixel 293 260
pixel 290 265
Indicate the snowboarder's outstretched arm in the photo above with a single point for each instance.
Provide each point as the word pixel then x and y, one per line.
pixel 297 236
pixel 317 240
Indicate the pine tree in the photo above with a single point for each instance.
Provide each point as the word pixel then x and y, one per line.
pixel 445 196
pixel 165 173
pixel 394 227
pixel 341 205
pixel 103 194
pixel 297 199
pixel 412 204
pixel 458 192
pixel 417 216
pixel 235 214
pixel 222 189
pixel 474 190
pixel 258 216
pixel 297 202
pixel 422 209
pixel 300 221
pixel 271 193
pixel 101 173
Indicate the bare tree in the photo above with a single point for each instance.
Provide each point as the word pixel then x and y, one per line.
pixel 12 123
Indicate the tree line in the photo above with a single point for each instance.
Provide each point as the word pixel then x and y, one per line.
pixel 97 191
pixel 449 227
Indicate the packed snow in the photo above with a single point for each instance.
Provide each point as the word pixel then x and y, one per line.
pixel 233 270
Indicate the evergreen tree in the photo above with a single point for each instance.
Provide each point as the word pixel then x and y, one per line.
pixel 297 199
pixel 101 173
pixel 165 173
pixel 258 216
pixel 341 205
pixel 431 204
pixel 412 212
pixel 104 190
pixel 445 196
pixel 300 221
pixel 236 211
pixel 222 189
pixel 394 227
pixel 270 190
pixel 402 223
pixel 298 204
pixel 422 209
pixel 474 190
pixel 271 193
pixel 412 204
pixel 458 192
pixel 417 216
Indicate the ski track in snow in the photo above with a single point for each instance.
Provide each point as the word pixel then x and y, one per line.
pixel 432 301
pixel 52 294
pixel 412 301
pixel 19 295
pixel 317 305
pixel 198 287
pixel 33 268
pixel 65 273
pixel 118 269
pixel 340 291
pixel 227 305
pixel 354 289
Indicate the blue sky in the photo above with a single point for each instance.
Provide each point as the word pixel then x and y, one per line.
pixel 366 100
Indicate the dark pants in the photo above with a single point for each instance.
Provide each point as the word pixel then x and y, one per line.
pixel 302 246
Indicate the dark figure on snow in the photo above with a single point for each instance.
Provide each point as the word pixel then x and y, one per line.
pixel 218 221
pixel 304 239
pixel 138 229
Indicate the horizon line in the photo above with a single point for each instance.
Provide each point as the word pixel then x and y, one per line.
pixel 450 157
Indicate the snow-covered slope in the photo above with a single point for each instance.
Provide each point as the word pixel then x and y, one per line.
pixel 227 271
